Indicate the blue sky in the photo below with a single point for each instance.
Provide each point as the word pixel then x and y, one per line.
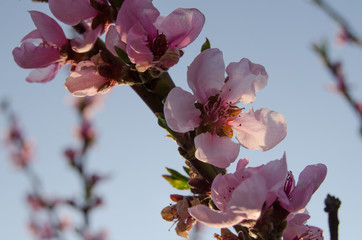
pixel 134 150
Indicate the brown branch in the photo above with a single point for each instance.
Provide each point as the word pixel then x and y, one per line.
pixel 332 205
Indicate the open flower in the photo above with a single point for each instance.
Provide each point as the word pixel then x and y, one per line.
pixel 212 110
pixel 41 49
pixel 149 39
pixel 243 195
pixel 298 230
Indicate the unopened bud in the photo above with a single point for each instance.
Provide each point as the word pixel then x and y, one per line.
pixel 176 197
pixel 168 213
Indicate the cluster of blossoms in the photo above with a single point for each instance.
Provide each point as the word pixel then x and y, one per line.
pixel 140 46
pixel 149 40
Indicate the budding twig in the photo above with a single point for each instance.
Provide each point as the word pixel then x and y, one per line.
pixel 332 205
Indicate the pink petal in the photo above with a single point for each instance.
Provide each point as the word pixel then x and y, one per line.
pixel 113 39
pixel 72 12
pixel 137 12
pixel 137 49
pixel 245 78
pixel 50 30
pixel 206 74
pixel 248 198
pixel 296 225
pixel 275 172
pixel 309 181
pixel 242 163
pixel 213 218
pixel 30 56
pixel 215 150
pixel 180 112
pixel 261 130
pixel 33 35
pixel 85 81
pixel 85 42
pixel 181 27
pixel 222 189
pixel 43 75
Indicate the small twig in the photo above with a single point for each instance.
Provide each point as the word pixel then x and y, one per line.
pixel 332 205
pixel 340 20
pixel 335 68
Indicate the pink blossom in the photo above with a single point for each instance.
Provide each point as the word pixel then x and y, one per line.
pixel 241 196
pixel 101 235
pixel 86 81
pixel 21 149
pixel 149 39
pixel 72 12
pixel 212 110
pixel 41 49
pixel 298 230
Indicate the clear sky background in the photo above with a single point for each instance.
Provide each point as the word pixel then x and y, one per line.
pixel 132 148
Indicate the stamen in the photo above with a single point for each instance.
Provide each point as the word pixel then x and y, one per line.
pixel 217 116
pixel 289 184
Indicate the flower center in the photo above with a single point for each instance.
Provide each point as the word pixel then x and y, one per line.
pixel 158 46
pixel 217 115
pixel 289 184
pixel 312 233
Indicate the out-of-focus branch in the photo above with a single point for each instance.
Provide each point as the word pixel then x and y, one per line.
pixel 332 206
pixel 77 159
pixel 349 34
pixel 335 68
pixel 21 153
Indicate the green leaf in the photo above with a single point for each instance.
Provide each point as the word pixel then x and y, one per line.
pixel 206 45
pixel 177 175
pixel 116 4
pixel 177 180
pixel 187 170
pixel 122 55
pixel 176 183
pixel 162 123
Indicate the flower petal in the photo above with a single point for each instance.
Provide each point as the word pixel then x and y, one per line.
pixel 43 75
pixel 181 27
pixel 206 74
pixel 215 150
pixel 50 30
pixel 222 189
pixel 248 198
pixel 85 42
pixel 137 11
pixel 213 218
pixel 72 12
pixel 30 56
pixel 113 39
pixel 308 182
pixel 137 49
pixel 85 81
pixel 261 130
pixel 275 172
pixel 245 78
pixel 296 225
pixel 180 112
